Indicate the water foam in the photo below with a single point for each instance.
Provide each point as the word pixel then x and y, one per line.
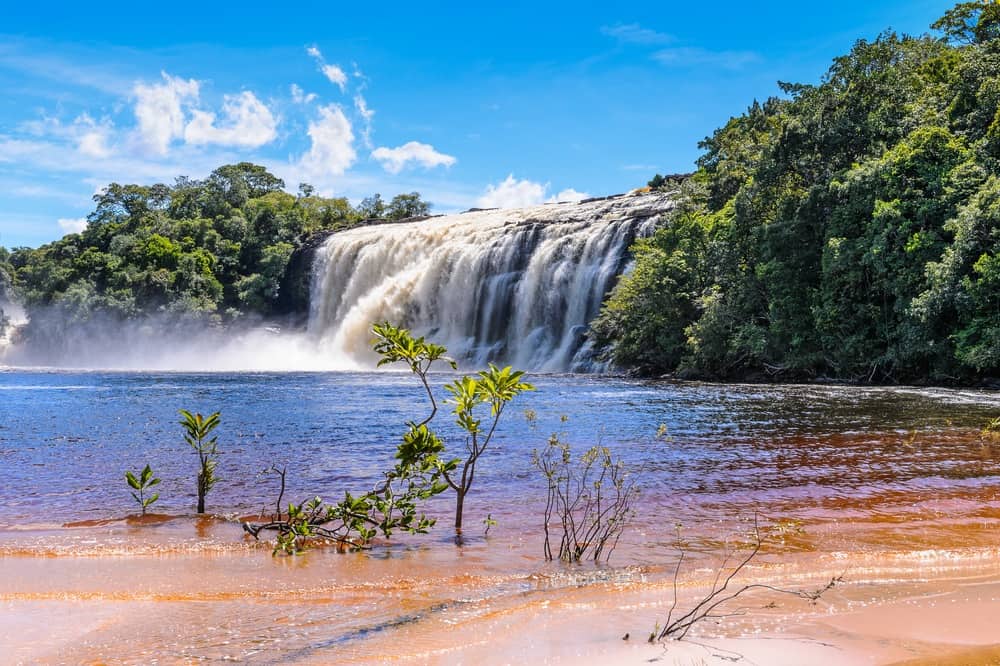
pixel 512 286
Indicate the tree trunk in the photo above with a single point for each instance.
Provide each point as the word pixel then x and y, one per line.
pixel 201 493
pixel 459 503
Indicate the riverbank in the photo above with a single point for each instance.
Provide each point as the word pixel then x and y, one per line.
pixel 191 589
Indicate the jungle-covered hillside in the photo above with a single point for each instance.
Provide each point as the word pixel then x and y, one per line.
pixel 213 250
pixel 849 229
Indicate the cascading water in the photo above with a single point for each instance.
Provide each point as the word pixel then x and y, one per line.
pixel 507 286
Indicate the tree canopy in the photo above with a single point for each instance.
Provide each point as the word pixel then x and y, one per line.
pixel 213 249
pixel 848 229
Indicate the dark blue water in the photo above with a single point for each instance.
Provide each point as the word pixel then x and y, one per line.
pixel 66 438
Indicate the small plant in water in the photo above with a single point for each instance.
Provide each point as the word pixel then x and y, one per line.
pixel 420 471
pixel 493 388
pixel 991 433
pixel 590 498
pixel 140 484
pixel 488 522
pixel 197 429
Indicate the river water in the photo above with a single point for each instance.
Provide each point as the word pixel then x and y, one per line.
pixel 868 479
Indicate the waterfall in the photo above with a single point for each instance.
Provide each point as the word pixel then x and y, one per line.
pixel 516 287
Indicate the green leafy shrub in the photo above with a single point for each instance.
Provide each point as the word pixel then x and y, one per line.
pixel 197 429
pixel 492 388
pixel 140 484
pixel 420 472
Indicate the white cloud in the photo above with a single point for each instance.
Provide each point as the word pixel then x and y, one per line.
pixel 169 111
pixel 513 193
pixel 159 111
pixel 299 96
pixel 395 160
pixel 569 194
pixel 366 116
pixel 72 225
pixel 248 122
pixel 334 73
pixel 60 157
pixel 332 150
pixel 94 144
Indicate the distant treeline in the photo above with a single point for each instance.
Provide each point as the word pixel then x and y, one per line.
pixel 214 249
pixel 849 229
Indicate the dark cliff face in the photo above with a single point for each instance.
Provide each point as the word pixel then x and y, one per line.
pixel 293 296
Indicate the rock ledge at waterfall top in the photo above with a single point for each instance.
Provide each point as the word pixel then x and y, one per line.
pixel 293 299
pixel 514 286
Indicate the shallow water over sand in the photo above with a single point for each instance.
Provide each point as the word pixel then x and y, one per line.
pixel 893 488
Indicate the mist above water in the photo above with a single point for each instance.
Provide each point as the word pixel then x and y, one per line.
pixel 162 344
pixel 507 286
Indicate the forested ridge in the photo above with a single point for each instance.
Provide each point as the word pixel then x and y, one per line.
pixel 211 251
pixel 848 230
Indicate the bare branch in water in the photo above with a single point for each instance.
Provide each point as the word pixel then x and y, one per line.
pixel 721 594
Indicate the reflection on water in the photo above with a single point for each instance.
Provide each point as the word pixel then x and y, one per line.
pixel 66 438
pixel 886 484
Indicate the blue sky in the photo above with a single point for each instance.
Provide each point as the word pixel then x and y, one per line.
pixel 469 103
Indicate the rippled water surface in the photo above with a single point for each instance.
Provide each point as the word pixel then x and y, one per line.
pixel 65 439
pixel 889 483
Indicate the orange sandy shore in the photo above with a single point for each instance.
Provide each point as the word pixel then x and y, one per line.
pixel 167 594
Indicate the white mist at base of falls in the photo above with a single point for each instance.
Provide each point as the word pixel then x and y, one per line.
pixel 515 287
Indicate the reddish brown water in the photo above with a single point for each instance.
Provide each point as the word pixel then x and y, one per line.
pixel 893 489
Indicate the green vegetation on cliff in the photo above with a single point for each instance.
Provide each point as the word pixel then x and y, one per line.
pixel 211 250
pixel 850 229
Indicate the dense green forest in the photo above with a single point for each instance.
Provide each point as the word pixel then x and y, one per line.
pixel 849 229
pixel 212 250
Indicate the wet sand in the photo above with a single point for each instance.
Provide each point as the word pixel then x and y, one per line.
pixel 187 590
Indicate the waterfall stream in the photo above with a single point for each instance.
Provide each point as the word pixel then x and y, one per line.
pixel 508 286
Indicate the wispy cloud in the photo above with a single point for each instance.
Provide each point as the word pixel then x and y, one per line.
pixel 633 33
pixel 334 73
pixel 300 96
pixel 692 56
pixel 91 137
pixel 677 56
pixel 64 71
pixel 367 114
pixel 95 137
pixel 60 157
